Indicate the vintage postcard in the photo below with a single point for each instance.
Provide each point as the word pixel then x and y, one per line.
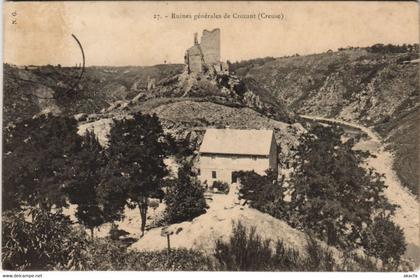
pixel 210 136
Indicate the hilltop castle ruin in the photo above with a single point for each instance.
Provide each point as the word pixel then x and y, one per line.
pixel 205 55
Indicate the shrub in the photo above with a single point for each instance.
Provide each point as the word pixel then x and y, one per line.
pixel 385 240
pixel 47 242
pixel 354 262
pixel 108 255
pixel 176 260
pixel 115 233
pixel 221 186
pixel 185 198
pixel 318 258
pixel 286 258
pixel 246 251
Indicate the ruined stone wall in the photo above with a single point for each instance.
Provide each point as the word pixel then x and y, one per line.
pixel 206 53
pixel 194 59
pixel 210 45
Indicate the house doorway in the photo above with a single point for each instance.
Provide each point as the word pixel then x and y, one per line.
pixel 234 177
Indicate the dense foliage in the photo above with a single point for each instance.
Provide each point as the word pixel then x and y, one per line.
pixel 391 48
pixel 184 197
pixel 264 193
pixel 222 187
pixel 85 176
pixel 36 154
pixel 385 240
pixel 328 181
pixel 47 241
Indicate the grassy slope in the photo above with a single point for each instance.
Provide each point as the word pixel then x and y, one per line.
pixel 402 135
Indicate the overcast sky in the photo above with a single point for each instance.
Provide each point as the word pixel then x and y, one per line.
pixel 126 33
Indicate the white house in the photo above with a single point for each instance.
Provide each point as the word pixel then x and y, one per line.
pixel 223 152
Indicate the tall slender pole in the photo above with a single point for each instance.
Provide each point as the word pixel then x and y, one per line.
pixel 169 243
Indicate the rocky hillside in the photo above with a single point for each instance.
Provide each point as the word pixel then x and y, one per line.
pixel 31 90
pixel 377 87
pixel 185 103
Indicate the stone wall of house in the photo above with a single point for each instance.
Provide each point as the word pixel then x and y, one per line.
pixel 223 165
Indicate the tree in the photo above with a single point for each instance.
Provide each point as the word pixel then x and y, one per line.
pixel 264 193
pixel 85 177
pixel 384 240
pixel 179 148
pixel 333 195
pixel 111 192
pixel 137 150
pixel 36 152
pixel 185 198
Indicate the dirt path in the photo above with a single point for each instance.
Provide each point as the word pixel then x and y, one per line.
pixel 407 215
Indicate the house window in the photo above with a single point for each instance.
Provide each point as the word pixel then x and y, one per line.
pixel 213 174
pixel 254 157
pixel 198 172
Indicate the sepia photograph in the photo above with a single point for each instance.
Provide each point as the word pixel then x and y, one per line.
pixel 210 136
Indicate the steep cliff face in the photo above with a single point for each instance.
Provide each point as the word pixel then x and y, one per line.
pixel 375 89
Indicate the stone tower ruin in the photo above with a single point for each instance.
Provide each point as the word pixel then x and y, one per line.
pixel 205 55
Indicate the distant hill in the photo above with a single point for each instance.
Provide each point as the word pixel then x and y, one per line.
pixel 29 90
pixel 376 86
